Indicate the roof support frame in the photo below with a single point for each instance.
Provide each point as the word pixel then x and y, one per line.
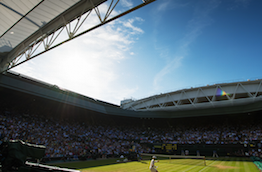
pixel 143 102
pixel 250 95
pixel 158 103
pixel 210 101
pixel 222 89
pixel 49 40
pixel 176 105
pixel 172 101
pixel 23 52
pixel 234 94
pixel 192 103
pixel 255 95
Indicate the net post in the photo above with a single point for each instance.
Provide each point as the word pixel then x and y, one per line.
pixel 204 161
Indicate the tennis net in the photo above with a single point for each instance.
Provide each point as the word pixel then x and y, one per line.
pixel 197 160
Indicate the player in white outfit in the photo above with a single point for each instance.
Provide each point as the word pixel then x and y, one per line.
pixel 152 166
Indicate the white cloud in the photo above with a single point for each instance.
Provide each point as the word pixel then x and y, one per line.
pixel 129 24
pixel 27 68
pixel 174 64
pixel 126 3
pixel 170 4
pixel 163 6
pixel 195 26
pixel 88 64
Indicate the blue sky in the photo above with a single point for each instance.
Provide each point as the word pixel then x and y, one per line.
pixel 162 47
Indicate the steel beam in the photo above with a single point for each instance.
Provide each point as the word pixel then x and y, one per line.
pixel 47 35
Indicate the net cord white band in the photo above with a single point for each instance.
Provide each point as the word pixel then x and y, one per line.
pixel 173 156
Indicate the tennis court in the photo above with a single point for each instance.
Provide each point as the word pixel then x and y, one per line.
pixel 166 165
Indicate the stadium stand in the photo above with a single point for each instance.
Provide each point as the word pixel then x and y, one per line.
pixel 69 133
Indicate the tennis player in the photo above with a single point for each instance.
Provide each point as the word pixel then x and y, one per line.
pixel 152 166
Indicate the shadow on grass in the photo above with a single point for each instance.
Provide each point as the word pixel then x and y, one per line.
pixel 85 164
pixel 247 159
pixel 201 162
pixel 143 162
pixel 103 162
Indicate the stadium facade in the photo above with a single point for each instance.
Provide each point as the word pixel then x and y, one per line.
pixel 36 23
pixel 44 25
pixel 219 99
pixel 210 96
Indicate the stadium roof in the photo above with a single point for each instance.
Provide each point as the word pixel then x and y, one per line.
pixel 25 24
pixel 24 90
pixel 210 96
pixel 25 21
pixel 19 19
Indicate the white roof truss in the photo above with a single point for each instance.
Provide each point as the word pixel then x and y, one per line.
pixel 238 92
pixel 43 36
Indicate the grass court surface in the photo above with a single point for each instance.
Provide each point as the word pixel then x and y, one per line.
pixel 174 165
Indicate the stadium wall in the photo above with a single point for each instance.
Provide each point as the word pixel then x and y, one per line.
pixel 30 86
pixel 204 149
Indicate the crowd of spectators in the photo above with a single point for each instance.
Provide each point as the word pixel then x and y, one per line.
pixel 222 134
pixel 64 138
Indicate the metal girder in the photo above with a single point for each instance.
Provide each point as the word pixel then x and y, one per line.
pixel 205 96
pixel 255 95
pixel 47 35
pixel 202 97
pixel 176 105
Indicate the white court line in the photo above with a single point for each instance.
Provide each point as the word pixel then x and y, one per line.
pixel 194 167
pixel 189 169
pixel 207 166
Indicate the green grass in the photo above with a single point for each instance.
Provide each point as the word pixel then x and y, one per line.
pixel 178 165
